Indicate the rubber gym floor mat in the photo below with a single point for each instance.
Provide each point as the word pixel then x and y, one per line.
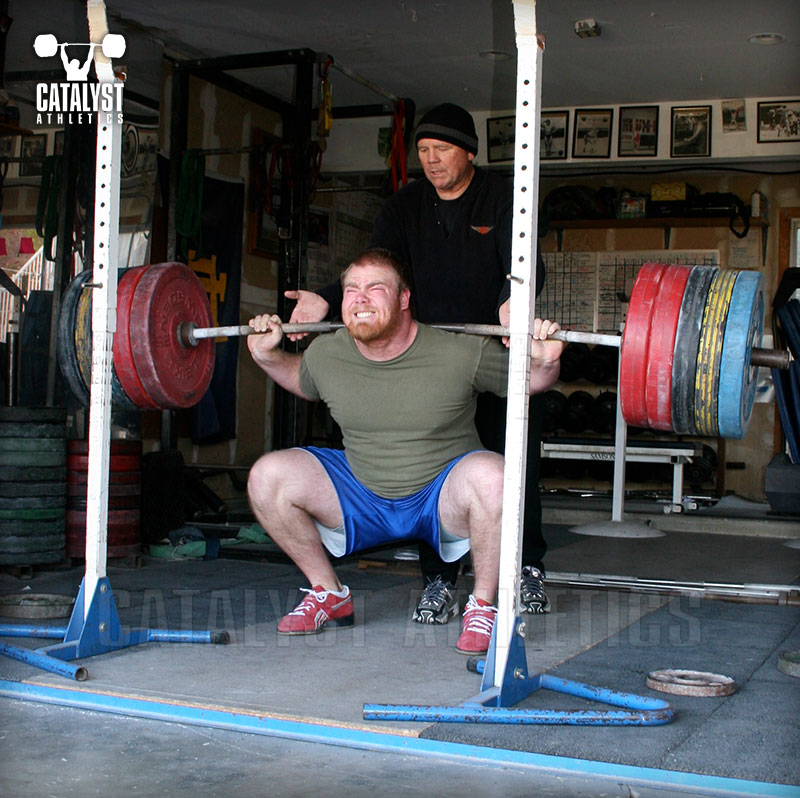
pixel 751 734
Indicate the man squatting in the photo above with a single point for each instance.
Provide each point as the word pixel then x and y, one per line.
pixel 404 396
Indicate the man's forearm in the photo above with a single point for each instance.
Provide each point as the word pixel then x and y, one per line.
pixel 283 368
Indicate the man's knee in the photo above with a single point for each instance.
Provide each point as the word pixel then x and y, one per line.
pixel 271 475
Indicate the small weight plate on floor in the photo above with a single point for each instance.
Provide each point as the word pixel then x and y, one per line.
pixel 635 343
pixel 709 352
pixel 31 513
pixel 32 489
pixel 36 605
pixel 37 502
pixel 174 375
pixel 33 529
pixel 32 430
pixel 32 473
pixel 66 353
pixel 658 393
pixel 737 378
pixel 687 339
pixel 32 458
pixel 123 355
pixel 24 545
pixel 694 683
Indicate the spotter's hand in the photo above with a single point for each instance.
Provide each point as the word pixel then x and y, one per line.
pixel 310 307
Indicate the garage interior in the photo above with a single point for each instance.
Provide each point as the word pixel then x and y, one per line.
pixel 228 103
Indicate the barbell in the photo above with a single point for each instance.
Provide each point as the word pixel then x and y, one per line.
pixel 688 354
pixel 45 45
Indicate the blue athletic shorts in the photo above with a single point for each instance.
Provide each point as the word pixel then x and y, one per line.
pixel 370 520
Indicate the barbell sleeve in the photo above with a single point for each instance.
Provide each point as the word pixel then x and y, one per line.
pixel 189 335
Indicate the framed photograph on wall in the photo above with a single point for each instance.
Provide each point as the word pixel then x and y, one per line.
pixel 779 121
pixel 638 131
pixel 690 132
pixel 591 137
pixel 32 153
pixel 554 135
pixel 500 138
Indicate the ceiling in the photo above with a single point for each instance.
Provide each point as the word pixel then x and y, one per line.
pixel 429 50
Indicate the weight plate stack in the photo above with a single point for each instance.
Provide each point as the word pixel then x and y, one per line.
pixel 32 485
pixel 737 378
pixel 124 498
pixel 687 340
pixel 709 352
pixel 636 342
pixel 658 371
pixel 168 295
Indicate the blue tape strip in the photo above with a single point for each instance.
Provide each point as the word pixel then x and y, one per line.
pixel 232 720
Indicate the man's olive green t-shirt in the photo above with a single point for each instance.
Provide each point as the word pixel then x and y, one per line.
pixel 403 420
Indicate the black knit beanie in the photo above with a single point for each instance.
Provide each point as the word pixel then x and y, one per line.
pixel 451 123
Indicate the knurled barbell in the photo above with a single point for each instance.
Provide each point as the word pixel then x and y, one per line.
pixel 691 335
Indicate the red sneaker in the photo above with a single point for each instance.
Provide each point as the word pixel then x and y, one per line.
pixel 319 607
pixel 476 627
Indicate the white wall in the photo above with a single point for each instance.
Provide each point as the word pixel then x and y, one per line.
pixel 353 143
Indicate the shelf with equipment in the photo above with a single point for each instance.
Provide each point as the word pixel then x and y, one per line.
pixel 666 224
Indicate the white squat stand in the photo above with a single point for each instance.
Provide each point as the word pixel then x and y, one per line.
pixel 506 681
pixel 94 627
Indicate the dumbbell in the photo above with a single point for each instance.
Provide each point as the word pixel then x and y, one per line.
pixel 45 45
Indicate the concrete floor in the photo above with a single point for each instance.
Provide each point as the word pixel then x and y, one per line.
pixel 744 744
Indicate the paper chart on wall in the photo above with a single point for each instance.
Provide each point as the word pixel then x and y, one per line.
pixel 589 291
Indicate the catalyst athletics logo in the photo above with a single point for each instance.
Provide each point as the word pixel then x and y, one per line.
pixel 76 100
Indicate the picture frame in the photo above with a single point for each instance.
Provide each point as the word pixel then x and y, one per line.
pixel 554 136
pixel 637 136
pixel 58 142
pixel 500 138
pixel 32 152
pixel 591 137
pixel 690 132
pixel 262 229
pixel 8 147
pixel 778 121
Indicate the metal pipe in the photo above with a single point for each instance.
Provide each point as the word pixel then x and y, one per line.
pixel 364 82
pixel 44 662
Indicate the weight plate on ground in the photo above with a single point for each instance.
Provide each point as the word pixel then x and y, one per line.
pixel 122 462
pixel 33 473
pixel 66 353
pixel 25 557
pixel 687 340
pixel 30 514
pixel 174 376
pixel 36 605
pixel 695 683
pixel 635 343
pixel 737 378
pixel 658 388
pixel 32 502
pixel 12 490
pixel 33 415
pixel 32 458
pixel 32 430
pixel 117 446
pixel 33 529
pixel 709 352
pixel 27 545
pixel 32 444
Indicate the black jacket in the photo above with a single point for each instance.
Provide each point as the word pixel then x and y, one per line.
pixel 457 277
